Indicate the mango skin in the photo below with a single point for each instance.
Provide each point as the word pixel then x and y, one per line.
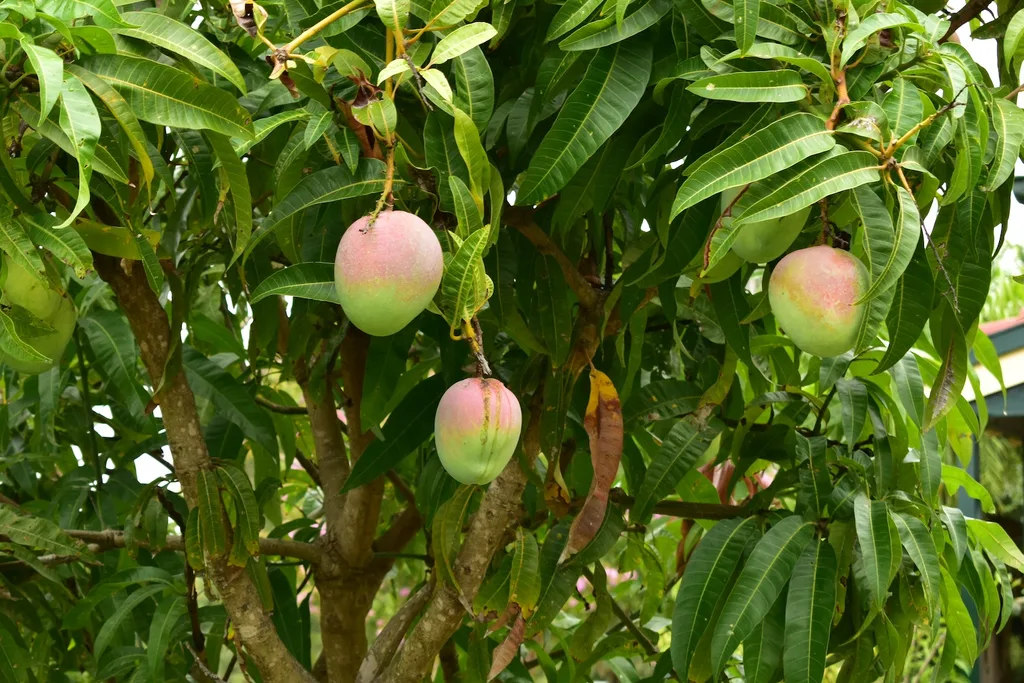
pixel 387 273
pixel 50 344
pixel 812 293
pixel 29 291
pixel 476 429
pixel 764 241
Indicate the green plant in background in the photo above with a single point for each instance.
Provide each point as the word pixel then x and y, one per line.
pixel 711 500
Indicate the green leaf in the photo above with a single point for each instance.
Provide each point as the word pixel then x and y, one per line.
pixel 903 108
pixel 233 402
pixel 465 287
pixel 613 28
pixel 853 396
pixel 662 400
pixel 162 632
pixel 461 40
pixel 447 530
pixel 611 88
pixel 809 608
pixel 410 424
pixel 781 85
pixel 448 12
pixel 909 311
pixel 772 149
pixel 900 248
pixel 763 648
pixel 474 88
pixel 956 526
pixel 815 483
pixel 1008 125
pixel 163 31
pixel 113 345
pixel 759 584
pixel 49 69
pixel 786 55
pixel 679 451
pixel 918 543
pixel 554 309
pixel 314 280
pixel 930 466
pixel 331 184
pixel 873 532
pixel 745 19
pixel 65 244
pixel 39 533
pixel 237 483
pixel 112 625
pixel 951 376
pixel 211 514
pixel 393 13
pixel 167 96
pixel 873 23
pixel 233 174
pixel 524 577
pixel 436 80
pixel 194 540
pixel 467 139
pixel 466 212
pixel 17 245
pixel 959 624
pixel 730 304
pixel 994 539
pixel 121 112
pixel 569 16
pixel 707 573
pixel 829 176
pixel 986 354
pixel 81 122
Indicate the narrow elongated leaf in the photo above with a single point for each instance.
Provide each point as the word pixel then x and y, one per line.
pixel 815 483
pixel 909 311
pixel 763 648
pixel 569 16
pixel 745 16
pixel 211 514
pixel 393 13
pixel 49 69
pixel 787 55
pixel 465 286
pixel 39 533
pixel 331 184
pixel 194 540
pixel 873 533
pixel 603 422
pixel 759 584
pixel 610 89
pixel 904 242
pixel 461 40
pixel 524 576
pixel 410 424
pixel 447 532
pixel 951 376
pixel 314 280
pixel 959 624
pixel 112 624
pixel 782 85
pixel 809 607
pixel 1008 124
pixel 902 107
pixel 163 31
pixel 232 400
pixel 167 96
pixel 113 344
pixel 467 139
pixel 930 466
pixel 161 633
pixel 237 483
pixel 994 539
pixel 233 174
pixel 16 342
pixel 679 452
pixel 707 573
pixel 870 25
pixel 827 177
pixel 474 89
pixel 81 122
pixel 66 244
pixel 614 28
pixel 854 398
pixel 918 543
pixel 766 152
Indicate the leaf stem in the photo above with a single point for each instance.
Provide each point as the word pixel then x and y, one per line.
pixel 319 26
pixel 625 619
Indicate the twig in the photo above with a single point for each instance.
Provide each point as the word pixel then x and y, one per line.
pixel 931 244
pixel 891 149
pixel 202 667
pixel 285 547
pixel 625 619
pixel 966 13
pixel 1013 93
pixel 278 408
pixel 838 75
pixel 823 410
pixel 678 508
pixel 401 487
pixel 931 655
pixel 718 225
pixel 321 25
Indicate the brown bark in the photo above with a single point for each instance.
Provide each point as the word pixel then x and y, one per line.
pixel 188 449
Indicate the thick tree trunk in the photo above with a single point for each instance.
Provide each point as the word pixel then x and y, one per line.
pixel 188 449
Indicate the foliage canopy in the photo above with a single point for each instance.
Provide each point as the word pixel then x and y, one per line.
pixel 184 173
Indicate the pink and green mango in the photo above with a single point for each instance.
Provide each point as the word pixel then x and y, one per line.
pixel 476 429
pixel 812 293
pixel 387 273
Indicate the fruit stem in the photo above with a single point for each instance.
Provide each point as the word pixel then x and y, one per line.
pixel 474 334
pixel 386 195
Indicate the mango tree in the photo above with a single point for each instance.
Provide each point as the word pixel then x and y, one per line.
pixel 699 283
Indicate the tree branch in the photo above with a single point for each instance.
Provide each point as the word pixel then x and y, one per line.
pixel 678 508
pixel 278 408
pixel 387 642
pixel 282 547
pixel 149 323
pixel 625 619
pixel 969 11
